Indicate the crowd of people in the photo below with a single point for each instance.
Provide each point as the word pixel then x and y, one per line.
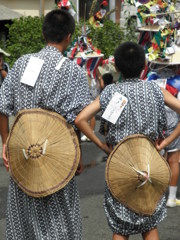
pixel 66 92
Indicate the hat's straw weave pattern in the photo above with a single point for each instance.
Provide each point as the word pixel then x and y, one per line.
pixel 127 174
pixel 43 152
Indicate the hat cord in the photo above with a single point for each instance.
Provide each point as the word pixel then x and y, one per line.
pixel 147 176
pixel 44 146
pixel 25 155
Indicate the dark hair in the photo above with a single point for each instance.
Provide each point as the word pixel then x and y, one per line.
pixel 107 78
pixel 57 25
pixel 130 59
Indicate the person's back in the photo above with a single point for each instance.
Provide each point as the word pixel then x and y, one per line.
pixel 62 87
pixel 143 114
pixel 56 89
pixel 142 111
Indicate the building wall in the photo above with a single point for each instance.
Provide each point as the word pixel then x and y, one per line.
pixel 29 7
pixel 35 8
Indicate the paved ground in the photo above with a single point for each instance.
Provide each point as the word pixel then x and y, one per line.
pixel 91 186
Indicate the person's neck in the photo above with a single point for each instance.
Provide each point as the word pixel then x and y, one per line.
pixel 60 47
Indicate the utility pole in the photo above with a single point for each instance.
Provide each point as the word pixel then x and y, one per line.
pixel 118 11
pixel 112 5
pixel 41 8
pixel 77 10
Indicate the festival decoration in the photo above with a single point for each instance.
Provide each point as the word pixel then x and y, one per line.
pixel 97 19
pixel 85 54
pixel 172 84
pixel 160 37
pixel 160 26
pixel 66 5
pixel 82 50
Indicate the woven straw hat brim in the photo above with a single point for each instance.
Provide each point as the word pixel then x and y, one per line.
pixel 43 152
pixel 136 153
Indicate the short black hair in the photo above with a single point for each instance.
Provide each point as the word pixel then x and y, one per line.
pixel 57 25
pixel 130 59
pixel 107 78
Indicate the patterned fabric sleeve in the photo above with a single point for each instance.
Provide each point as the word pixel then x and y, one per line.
pixel 79 95
pixel 6 94
pixel 162 123
pixel 105 97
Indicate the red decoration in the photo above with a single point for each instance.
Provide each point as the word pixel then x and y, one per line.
pixel 172 90
pixel 104 3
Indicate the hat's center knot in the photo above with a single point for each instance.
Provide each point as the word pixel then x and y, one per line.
pixel 34 151
pixel 143 176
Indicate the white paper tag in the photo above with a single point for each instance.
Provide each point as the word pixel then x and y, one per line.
pixel 153 9
pixel 60 63
pixel 170 50
pixel 115 108
pixel 32 71
pixel 161 82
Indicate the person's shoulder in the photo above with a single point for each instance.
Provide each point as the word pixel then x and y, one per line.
pixel 155 89
pixel 111 86
pixel 24 57
pixel 73 65
pixel 21 60
pixel 109 89
pixel 154 85
pixel 150 83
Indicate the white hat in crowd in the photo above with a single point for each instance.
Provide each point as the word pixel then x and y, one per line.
pixel 5 53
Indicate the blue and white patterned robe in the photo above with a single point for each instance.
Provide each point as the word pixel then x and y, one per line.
pixel 65 91
pixel 144 114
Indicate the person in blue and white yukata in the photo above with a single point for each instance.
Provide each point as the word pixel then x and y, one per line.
pixel 144 113
pixel 64 90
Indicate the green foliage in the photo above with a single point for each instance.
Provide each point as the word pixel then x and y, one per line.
pixel 107 38
pixel 25 36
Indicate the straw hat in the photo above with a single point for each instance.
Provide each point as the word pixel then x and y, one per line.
pixel 131 159
pixel 43 152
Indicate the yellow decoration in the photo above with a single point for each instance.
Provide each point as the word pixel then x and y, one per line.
pixel 172 8
pixel 153 56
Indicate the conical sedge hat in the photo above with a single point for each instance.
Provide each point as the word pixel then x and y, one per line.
pixel 137 175
pixel 43 152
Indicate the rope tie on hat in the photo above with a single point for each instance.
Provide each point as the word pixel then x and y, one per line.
pixel 44 146
pixel 35 150
pixel 25 155
pixel 145 175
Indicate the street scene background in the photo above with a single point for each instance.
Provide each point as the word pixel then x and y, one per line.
pixel 91 188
